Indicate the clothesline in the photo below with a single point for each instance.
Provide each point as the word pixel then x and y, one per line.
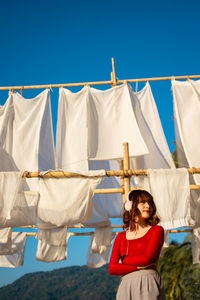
pixel 114 81
pixel 32 234
pixel 122 173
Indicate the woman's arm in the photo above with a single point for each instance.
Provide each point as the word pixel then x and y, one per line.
pixel 152 250
pixel 116 268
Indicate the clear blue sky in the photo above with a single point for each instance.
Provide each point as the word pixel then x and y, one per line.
pixel 46 42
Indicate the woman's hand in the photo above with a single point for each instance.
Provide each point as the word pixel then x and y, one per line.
pixel 120 262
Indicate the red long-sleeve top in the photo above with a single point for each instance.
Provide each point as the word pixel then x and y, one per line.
pixel 139 252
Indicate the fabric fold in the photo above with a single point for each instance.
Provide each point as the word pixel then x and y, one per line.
pixel 52 244
pixel 5 241
pixel 18 248
pixel 171 193
pixel 68 201
pixel 99 248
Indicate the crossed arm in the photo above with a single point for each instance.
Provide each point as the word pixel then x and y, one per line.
pixel 132 263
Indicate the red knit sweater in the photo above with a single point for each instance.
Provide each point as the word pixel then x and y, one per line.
pixel 140 252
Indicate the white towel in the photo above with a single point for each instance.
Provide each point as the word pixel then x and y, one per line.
pixel 95 260
pixel 5 240
pixel 18 246
pixel 196 245
pixel 171 193
pixel 102 239
pixel 52 244
pixel 67 201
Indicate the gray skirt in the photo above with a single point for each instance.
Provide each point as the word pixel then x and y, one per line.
pixel 141 285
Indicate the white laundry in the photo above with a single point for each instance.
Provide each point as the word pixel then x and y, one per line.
pixel 18 247
pixel 106 205
pixel 93 124
pixel 166 242
pixel 196 245
pixel 95 260
pixel 171 193
pixel 52 244
pixel 26 133
pixel 17 208
pixel 148 120
pixel 68 201
pixel 5 240
pixel 71 133
pixel 6 161
pixel 111 122
pixel 186 99
pixel 102 239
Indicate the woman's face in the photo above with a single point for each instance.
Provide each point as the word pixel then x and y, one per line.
pixel 145 209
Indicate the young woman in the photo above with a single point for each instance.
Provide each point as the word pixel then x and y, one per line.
pixel 136 251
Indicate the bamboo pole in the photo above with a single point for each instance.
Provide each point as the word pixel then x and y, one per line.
pixel 113 74
pixel 127 185
pixel 33 234
pixel 125 172
pixel 50 86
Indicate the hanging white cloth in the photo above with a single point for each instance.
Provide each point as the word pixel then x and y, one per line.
pixel 102 239
pixel 26 133
pixel 96 260
pixel 171 193
pixel 18 248
pixel 97 123
pixel 52 244
pixel 17 208
pixel 159 156
pixel 111 122
pixel 68 201
pixel 5 240
pixel 196 245
pixel 186 99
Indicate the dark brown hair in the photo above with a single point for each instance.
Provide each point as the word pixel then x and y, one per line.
pixel 129 217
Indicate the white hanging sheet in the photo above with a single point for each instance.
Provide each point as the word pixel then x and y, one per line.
pixel 111 122
pixel 17 208
pixel 171 193
pixel 26 133
pixel 52 244
pixel 5 241
pixel 71 133
pixel 18 248
pixel 148 120
pixel 196 245
pixel 67 201
pixel 102 239
pixel 95 260
pixel 186 99
pixel 97 123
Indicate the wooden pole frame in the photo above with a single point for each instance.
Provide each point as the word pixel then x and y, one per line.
pixel 112 82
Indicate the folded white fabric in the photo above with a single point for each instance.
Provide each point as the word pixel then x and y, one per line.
pixel 18 248
pixel 5 240
pixel 52 244
pixel 102 239
pixel 171 193
pixel 68 201
pixel 196 245
pixel 95 260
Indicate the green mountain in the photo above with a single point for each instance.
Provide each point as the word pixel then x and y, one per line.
pixel 71 283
